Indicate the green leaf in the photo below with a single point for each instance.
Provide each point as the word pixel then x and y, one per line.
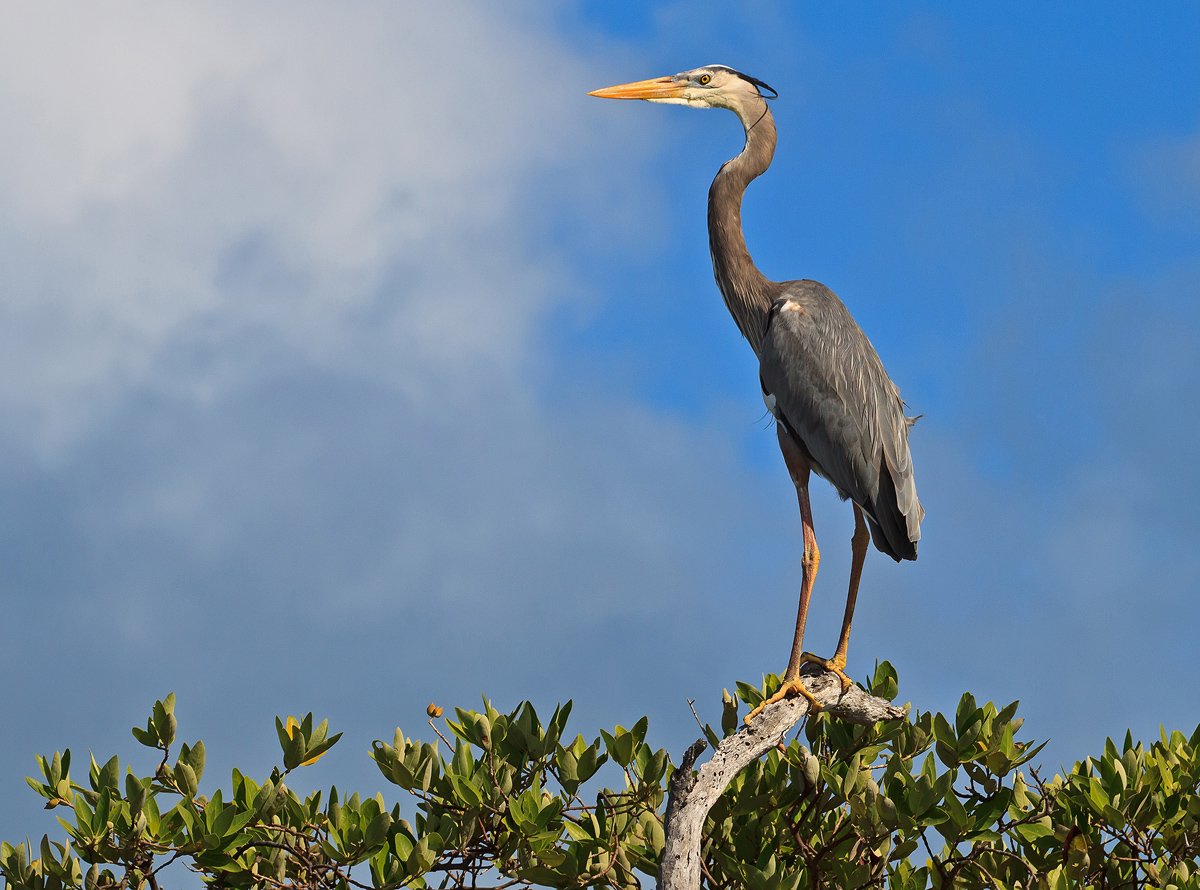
pixel 751 695
pixel 463 762
pixel 619 745
pixel 163 719
pixel 194 757
pixel 106 776
pixel 729 714
pixel 466 790
pixel 966 714
pixel 884 682
pixel 1032 831
pixel 377 830
pixel 945 741
pixel 185 779
pixel 135 793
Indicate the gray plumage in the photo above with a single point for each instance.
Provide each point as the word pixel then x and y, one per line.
pixel 835 400
pixel 831 392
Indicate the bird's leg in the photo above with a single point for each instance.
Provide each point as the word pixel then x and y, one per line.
pixel 809 562
pixel 799 469
pixel 858 549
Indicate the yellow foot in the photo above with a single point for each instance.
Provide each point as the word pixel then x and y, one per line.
pixel 787 690
pixel 836 664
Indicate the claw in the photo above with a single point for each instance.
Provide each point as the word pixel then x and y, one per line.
pixel 794 686
pixel 787 690
pixel 836 665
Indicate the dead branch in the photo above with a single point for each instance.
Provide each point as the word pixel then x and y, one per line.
pixel 692 794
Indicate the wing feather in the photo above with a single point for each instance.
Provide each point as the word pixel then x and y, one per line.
pixel 835 398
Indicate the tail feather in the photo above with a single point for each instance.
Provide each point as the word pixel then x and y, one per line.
pixel 892 528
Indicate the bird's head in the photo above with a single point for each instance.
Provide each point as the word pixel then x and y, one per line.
pixel 713 86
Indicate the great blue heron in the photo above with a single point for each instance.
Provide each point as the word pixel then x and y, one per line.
pixel 837 412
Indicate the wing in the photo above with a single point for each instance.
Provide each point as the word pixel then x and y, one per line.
pixel 830 391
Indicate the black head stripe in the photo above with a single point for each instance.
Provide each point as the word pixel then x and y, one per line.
pixel 758 84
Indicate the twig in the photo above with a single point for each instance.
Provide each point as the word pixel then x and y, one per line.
pixel 440 736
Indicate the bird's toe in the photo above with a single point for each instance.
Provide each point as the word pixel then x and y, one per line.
pixel 837 665
pixel 789 688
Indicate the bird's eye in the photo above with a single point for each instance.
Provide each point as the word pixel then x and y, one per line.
pixel 704 79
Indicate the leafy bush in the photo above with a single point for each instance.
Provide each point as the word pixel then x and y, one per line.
pixel 925 802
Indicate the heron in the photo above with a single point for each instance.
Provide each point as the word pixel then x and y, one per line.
pixel 837 412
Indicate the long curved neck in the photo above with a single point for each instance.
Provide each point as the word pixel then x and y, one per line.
pixel 745 289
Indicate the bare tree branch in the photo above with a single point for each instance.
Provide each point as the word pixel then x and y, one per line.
pixel 692 795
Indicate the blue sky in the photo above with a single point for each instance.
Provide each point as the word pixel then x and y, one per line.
pixel 353 358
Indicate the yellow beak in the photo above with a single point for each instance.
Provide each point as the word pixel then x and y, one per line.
pixel 654 88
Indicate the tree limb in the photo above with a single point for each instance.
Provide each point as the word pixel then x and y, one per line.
pixel 692 795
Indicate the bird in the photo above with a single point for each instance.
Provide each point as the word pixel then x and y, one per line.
pixel 837 413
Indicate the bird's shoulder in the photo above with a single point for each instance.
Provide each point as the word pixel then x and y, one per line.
pixel 811 302
pixel 823 376
pixel 807 320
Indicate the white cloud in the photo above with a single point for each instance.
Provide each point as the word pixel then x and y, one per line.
pixel 346 185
